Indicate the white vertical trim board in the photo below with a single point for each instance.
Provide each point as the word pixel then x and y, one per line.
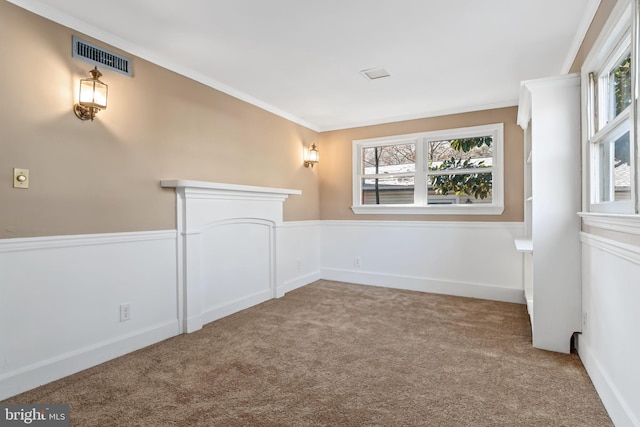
pixel 471 259
pixel 609 344
pixel 60 302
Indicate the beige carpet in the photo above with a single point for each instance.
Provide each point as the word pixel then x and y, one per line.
pixel 335 354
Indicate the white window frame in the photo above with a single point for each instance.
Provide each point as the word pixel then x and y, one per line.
pixel 616 38
pixel 420 206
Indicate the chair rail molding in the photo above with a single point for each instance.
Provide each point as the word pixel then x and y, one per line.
pixel 226 254
pixel 623 223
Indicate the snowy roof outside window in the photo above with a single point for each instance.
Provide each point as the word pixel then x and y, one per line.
pixel 411 168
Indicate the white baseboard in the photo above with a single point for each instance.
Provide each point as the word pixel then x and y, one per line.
pixel 614 403
pixel 297 282
pixel 211 314
pixel 46 371
pixel 423 284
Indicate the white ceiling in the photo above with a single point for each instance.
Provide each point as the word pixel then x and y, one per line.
pixel 302 59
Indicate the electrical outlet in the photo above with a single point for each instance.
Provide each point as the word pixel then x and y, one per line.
pixel 299 263
pixel 356 262
pixel 125 312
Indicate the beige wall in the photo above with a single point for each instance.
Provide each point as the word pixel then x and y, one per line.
pixel 336 166
pixel 603 12
pixel 103 176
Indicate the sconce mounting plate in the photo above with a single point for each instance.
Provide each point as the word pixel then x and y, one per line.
pixel 84 113
pixel 20 178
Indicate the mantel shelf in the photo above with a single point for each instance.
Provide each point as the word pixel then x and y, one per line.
pixel 206 185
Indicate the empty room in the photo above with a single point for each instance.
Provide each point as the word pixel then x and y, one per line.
pixel 296 213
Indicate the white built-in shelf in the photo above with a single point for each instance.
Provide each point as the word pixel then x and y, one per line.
pixel 549 114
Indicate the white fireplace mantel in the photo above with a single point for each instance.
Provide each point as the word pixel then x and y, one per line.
pixel 227 188
pixel 226 247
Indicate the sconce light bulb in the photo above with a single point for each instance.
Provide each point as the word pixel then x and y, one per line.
pixel 92 96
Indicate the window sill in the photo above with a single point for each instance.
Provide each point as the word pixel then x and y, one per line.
pixel 429 210
pixel 624 223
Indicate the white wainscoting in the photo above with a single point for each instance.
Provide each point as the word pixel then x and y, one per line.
pixel 610 342
pixel 298 249
pixel 471 259
pixel 60 302
pixel 237 270
pixel 236 266
pixel 60 296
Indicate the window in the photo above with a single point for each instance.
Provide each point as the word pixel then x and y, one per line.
pixel 456 171
pixel 609 140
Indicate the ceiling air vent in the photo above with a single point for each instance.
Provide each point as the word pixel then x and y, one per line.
pixel 375 73
pixel 101 57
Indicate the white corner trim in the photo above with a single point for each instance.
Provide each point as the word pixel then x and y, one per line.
pixel 622 250
pixel 524 107
pixel 623 223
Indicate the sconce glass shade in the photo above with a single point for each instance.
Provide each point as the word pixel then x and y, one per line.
pixel 311 156
pixel 92 97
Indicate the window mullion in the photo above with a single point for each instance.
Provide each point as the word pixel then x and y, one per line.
pixel 420 181
pixel 622 120
pixel 635 162
pixel 611 187
pixel 592 116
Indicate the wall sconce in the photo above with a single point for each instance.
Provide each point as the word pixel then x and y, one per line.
pixel 93 96
pixel 311 156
